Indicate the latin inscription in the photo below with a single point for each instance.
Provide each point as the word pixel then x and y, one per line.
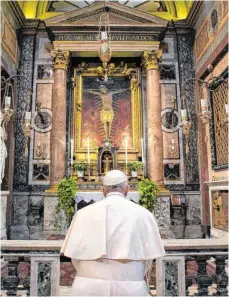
pixel 113 38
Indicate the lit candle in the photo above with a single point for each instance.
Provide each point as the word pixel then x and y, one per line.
pixel 126 152
pixel 28 115
pixel 204 102
pixel 103 35
pixel 183 113
pixel 88 150
pixel 227 108
pixel 142 150
pixel 72 151
pixel 7 101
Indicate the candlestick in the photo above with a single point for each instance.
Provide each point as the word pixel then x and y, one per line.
pixel 88 157
pixel 126 154
pixel 143 160
pixel 72 152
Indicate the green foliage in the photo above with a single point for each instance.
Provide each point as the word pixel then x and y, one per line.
pixel 80 166
pixel 148 193
pixel 135 166
pixel 66 194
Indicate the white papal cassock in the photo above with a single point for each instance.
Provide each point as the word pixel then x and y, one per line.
pixel 112 244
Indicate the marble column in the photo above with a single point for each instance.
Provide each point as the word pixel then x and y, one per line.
pixel 155 136
pixel 58 133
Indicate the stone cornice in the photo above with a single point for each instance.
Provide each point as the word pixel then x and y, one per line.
pixel 191 19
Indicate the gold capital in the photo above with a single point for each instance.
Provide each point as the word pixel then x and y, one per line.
pixel 60 59
pixel 151 59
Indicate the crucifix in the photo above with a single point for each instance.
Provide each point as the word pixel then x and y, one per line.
pixel 107 163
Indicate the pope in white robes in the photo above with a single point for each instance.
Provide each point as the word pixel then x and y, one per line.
pixel 112 243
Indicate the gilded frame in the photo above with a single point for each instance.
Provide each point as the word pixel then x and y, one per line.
pixel 136 113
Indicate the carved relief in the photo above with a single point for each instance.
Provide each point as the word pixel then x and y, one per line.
pixel 60 59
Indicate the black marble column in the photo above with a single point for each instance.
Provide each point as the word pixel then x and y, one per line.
pixel 185 60
pixel 24 87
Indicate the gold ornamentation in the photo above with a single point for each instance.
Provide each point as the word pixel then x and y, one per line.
pixel 151 59
pixel 79 150
pixel 60 58
pixel 186 126
pixel 134 83
pixel 205 115
pixel 218 210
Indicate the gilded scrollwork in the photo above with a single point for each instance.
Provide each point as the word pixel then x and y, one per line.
pixel 60 59
pixel 135 107
pixel 151 59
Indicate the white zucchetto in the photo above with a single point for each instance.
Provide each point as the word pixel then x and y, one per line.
pixel 114 177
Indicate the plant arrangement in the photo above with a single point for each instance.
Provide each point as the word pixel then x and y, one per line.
pixel 80 166
pixel 66 192
pixel 148 193
pixel 135 166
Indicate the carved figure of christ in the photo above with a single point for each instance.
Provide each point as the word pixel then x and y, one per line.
pixel 107 112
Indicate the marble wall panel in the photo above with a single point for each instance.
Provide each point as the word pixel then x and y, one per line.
pixel 41 146
pixel 167 91
pixel 44 95
pixel 171 150
pixel 193 211
pixel 162 212
pixel 50 215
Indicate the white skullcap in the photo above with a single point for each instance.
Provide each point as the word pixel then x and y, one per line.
pixel 114 177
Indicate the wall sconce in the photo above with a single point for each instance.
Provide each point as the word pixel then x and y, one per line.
pixel 185 126
pixel 205 111
pixel 27 127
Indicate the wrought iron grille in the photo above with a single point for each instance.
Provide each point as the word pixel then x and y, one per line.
pixel 219 99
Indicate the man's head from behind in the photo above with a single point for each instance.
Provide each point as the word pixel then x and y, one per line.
pixel 115 181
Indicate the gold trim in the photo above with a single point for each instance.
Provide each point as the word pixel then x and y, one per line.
pixel 60 59
pixel 136 118
pixel 52 189
pixel 151 59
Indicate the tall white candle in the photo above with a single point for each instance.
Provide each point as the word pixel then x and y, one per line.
pixel 7 101
pixel 183 113
pixel 88 150
pixel 204 102
pixel 103 35
pixel 126 152
pixel 72 151
pixel 142 150
pixel 28 115
pixel 227 108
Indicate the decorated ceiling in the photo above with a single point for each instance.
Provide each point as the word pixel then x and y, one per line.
pixel 169 10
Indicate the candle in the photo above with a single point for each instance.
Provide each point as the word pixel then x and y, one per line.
pixel 104 35
pixel 7 101
pixel 142 150
pixel 126 152
pixel 173 141
pixel 28 115
pixel 183 113
pixel 204 102
pixel 88 150
pixel 72 151
pixel 227 108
